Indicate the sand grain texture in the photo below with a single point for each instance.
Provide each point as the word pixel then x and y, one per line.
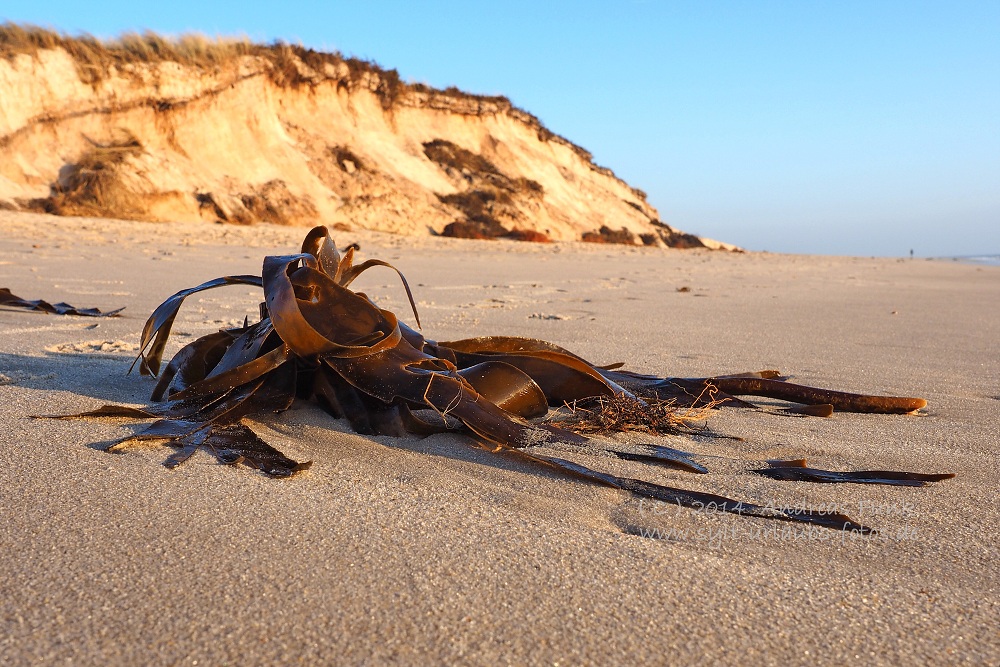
pixel 412 550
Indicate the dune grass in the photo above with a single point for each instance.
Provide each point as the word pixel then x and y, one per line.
pixel 292 65
pixel 97 58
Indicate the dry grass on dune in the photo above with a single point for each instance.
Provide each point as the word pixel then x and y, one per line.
pixel 291 65
pixel 95 58
pixel 94 185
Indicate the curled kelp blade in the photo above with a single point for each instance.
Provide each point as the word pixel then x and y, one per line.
pixel 314 315
pixel 450 395
pixel 352 273
pixel 108 411
pixel 319 244
pixel 699 500
pixel 508 345
pixel 562 376
pixel 248 343
pixel 236 376
pixel 242 361
pixel 797 470
pixel 341 269
pixel 367 415
pixel 157 327
pixel 270 393
pixel 666 456
pixel 507 387
pixel 61 308
pixel 192 363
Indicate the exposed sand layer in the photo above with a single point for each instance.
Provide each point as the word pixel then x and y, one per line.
pixel 430 551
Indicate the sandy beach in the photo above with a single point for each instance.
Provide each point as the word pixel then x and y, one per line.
pixel 431 551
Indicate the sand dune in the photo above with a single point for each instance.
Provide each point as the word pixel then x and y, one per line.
pixel 195 130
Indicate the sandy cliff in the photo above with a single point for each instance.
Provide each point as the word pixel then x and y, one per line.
pixel 154 130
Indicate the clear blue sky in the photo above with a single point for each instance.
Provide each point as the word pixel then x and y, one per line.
pixel 865 128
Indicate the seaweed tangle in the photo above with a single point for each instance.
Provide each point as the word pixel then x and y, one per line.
pixel 317 339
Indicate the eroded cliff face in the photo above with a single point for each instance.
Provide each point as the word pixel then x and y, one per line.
pixel 296 138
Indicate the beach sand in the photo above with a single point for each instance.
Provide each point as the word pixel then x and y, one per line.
pixel 421 551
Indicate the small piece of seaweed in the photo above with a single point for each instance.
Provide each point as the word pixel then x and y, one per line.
pixel 12 301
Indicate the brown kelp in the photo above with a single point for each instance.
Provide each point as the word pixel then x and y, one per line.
pixel 12 301
pixel 317 339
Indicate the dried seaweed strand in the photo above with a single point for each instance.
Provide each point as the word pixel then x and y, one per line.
pixel 12 301
pixel 619 414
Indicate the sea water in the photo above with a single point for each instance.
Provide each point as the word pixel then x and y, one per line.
pixel 987 260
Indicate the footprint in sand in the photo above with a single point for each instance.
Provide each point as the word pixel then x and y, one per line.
pixel 94 346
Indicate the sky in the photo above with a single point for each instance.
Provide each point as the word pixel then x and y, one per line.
pixel 806 126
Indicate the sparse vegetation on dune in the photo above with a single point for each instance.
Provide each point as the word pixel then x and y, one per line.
pixel 346 159
pixel 530 235
pixel 663 234
pixel 491 197
pixel 451 156
pixel 95 59
pixel 474 229
pixel 607 235
pixel 94 186
pixel 675 238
